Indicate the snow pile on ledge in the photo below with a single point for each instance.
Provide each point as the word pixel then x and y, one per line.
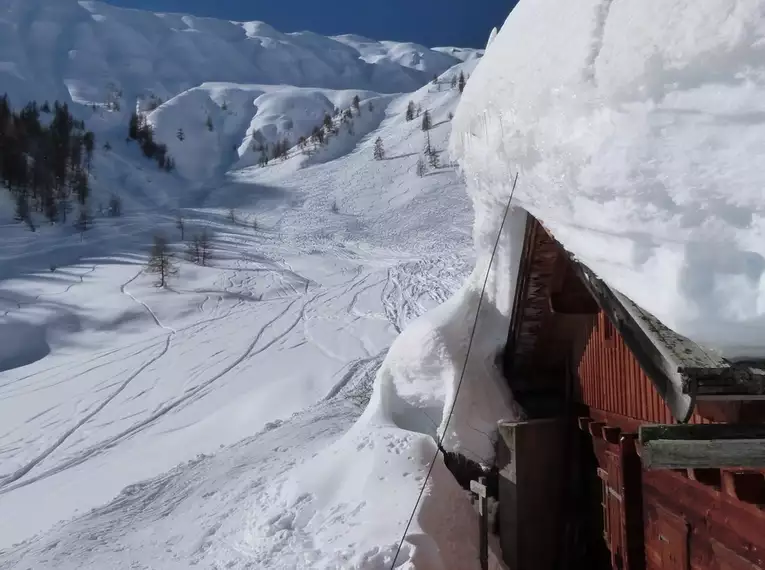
pixel 638 129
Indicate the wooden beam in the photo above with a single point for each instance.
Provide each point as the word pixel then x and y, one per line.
pixel 697 432
pixel 611 434
pixel 595 429
pixel 703 453
pixel 584 423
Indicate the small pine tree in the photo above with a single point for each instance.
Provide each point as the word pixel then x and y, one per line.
pixel 115 206
pixel 433 159
pixel 161 262
pixel 427 123
pixel 89 144
pixel 45 107
pixel 430 152
pixel 421 168
pixel 410 111
pixel 450 115
pixel 209 123
pixel 334 208
pixel 205 253
pixel 462 82
pixel 263 160
pixel 357 104
pixel 22 207
pixel 453 82
pixel 435 79
pixel 181 135
pixel 327 121
pixel 180 223
pixel 232 215
pixel 418 111
pixel 371 107
pixel 134 126
pixel 379 151
pixel 84 220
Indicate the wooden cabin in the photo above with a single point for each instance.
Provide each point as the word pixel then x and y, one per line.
pixel 638 449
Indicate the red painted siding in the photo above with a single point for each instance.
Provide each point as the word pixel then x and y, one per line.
pixel 611 380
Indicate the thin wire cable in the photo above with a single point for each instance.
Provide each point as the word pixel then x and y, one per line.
pixel 440 441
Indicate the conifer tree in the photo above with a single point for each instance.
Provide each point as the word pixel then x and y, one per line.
pixel 462 82
pixel 357 104
pixel 410 111
pixel 180 223
pixel 427 123
pixel 430 152
pixel 89 143
pixel 379 151
pixel 421 168
pixel 181 135
pixel 453 82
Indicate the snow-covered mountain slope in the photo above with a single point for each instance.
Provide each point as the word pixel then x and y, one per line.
pixel 638 135
pixel 84 50
pixel 241 114
pixel 263 362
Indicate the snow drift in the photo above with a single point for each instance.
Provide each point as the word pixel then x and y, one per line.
pixel 637 129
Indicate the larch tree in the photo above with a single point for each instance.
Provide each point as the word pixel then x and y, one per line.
pixel 161 262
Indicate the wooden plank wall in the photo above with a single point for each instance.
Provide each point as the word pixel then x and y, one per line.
pixel 611 380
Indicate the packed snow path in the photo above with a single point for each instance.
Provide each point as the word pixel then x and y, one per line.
pixel 111 387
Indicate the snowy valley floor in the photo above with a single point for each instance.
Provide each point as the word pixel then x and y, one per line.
pixel 221 412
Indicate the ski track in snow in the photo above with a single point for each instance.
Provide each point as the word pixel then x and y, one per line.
pixel 303 307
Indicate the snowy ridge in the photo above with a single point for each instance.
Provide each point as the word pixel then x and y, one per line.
pixel 73 50
pixel 638 136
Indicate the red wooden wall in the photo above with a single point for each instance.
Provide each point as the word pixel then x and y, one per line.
pixel 611 380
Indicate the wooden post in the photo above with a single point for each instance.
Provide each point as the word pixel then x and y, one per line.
pixel 479 488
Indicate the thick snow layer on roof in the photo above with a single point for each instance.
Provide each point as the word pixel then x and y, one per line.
pixel 637 129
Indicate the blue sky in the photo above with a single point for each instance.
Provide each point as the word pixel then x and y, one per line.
pixel 465 23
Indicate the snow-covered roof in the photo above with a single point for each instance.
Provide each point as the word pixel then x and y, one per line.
pixel 637 132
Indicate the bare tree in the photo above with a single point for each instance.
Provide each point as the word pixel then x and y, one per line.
pixel 161 262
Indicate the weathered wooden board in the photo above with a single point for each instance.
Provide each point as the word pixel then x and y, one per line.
pixel 701 453
pixel 701 432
